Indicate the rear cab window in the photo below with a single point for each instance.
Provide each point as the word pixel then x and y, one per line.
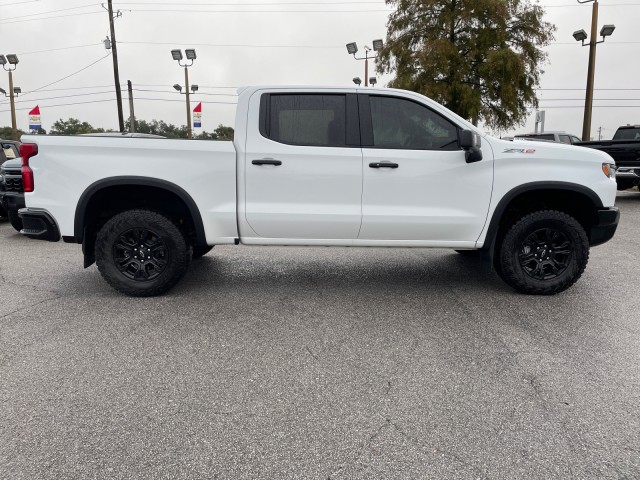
pixel 321 120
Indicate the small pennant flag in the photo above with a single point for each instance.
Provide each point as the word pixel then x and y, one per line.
pixel 197 116
pixel 34 119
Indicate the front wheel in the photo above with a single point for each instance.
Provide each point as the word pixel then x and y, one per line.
pixel 543 253
pixel 142 253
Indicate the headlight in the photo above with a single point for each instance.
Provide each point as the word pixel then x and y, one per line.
pixel 609 169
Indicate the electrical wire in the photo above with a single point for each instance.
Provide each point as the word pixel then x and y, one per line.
pixel 231 45
pixel 52 11
pixel 68 76
pixel 2 22
pixel 60 48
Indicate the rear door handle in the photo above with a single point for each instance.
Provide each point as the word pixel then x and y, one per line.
pixel 383 165
pixel 266 161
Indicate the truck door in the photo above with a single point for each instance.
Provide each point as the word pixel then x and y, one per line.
pixel 416 183
pixel 303 167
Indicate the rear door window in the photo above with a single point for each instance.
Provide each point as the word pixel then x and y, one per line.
pixel 307 119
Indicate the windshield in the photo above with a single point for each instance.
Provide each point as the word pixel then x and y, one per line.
pixel 627 134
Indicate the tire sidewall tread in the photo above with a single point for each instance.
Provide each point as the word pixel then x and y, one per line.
pixel 172 235
pixel 512 272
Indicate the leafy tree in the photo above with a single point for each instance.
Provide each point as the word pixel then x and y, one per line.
pixel 169 130
pixel 73 126
pixel 480 58
pixel 220 133
pixel 7 134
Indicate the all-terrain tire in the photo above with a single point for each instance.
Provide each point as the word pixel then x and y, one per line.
pixel 543 253
pixel 142 253
pixel 14 219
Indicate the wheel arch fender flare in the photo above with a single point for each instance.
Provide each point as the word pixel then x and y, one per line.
pixel 505 201
pixel 96 187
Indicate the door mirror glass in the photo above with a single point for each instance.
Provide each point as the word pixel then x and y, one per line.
pixel 471 142
pixel 469 139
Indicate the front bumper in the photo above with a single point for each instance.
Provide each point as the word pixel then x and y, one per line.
pixel 39 224
pixel 604 226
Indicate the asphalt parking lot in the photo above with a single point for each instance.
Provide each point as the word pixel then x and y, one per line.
pixel 336 363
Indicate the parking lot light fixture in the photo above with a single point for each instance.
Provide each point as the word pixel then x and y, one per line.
pixel 581 36
pixel 352 49
pixel 607 30
pixel 191 56
pixel 357 80
pixel 12 59
pixel 194 88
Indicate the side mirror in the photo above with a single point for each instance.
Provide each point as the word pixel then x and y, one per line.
pixel 471 142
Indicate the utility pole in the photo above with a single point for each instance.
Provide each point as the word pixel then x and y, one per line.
pixel 599 133
pixel 132 115
pixel 116 75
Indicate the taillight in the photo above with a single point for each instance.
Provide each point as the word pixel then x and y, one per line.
pixel 27 150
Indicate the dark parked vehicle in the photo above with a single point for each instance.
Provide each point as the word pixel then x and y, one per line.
pixel 624 148
pixel 11 191
pixel 9 150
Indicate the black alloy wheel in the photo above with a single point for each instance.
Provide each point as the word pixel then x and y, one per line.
pixel 140 254
pixel 545 254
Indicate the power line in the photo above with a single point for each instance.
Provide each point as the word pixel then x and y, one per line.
pixel 63 104
pixel 231 45
pixel 64 96
pixel 49 18
pixel 18 3
pixel 236 4
pixel 68 76
pixel 52 11
pixel 60 48
pixel 111 100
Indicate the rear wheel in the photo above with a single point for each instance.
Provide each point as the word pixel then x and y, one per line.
pixel 543 253
pixel 142 253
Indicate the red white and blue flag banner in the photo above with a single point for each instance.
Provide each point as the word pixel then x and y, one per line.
pixel 34 119
pixel 197 116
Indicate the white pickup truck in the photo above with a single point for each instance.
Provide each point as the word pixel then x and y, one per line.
pixel 322 166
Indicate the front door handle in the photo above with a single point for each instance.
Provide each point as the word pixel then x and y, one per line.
pixel 266 161
pixel 383 165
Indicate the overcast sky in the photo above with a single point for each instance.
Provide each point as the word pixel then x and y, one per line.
pixel 253 42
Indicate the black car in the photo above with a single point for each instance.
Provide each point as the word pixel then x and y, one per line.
pixel 9 150
pixel 11 191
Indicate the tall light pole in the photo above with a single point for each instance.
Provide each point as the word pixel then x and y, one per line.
pixel 12 59
pixel 191 55
pixel 352 49
pixel 581 36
